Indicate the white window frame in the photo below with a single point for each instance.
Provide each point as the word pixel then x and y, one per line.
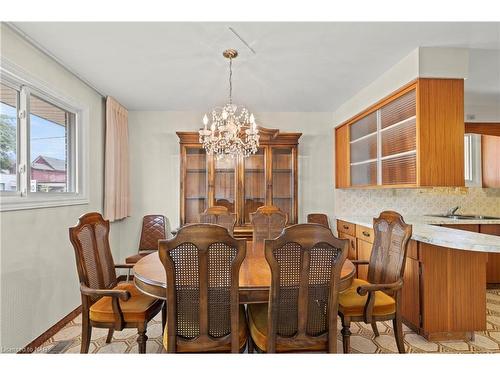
pixel 473 141
pixel 23 198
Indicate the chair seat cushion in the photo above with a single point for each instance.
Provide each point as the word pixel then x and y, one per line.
pixel 257 324
pixel 187 347
pixel 353 304
pixel 137 257
pixel 136 309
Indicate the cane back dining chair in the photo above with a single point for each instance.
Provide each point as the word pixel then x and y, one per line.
pixel 379 297
pixel 154 228
pixel 267 222
pixel 202 264
pixel 219 215
pixel 321 219
pixel 306 262
pixel 105 303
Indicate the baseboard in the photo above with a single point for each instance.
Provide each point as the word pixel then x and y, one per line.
pixel 36 343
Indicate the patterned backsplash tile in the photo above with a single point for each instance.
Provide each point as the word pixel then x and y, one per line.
pixel 417 202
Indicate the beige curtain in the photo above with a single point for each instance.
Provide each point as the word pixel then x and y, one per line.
pixel 116 162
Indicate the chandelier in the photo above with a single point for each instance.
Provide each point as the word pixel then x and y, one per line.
pixel 232 131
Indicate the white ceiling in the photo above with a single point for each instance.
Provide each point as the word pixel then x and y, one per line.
pixel 297 66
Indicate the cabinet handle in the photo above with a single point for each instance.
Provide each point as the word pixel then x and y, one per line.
pixel 366 234
pixel 352 244
pixel 346 226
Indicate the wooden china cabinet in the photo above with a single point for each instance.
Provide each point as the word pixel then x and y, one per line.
pixel 240 184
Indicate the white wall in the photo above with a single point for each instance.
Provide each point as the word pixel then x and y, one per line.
pixel 38 276
pixel 154 169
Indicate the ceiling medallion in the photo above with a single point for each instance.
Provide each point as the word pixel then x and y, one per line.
pixel 232 131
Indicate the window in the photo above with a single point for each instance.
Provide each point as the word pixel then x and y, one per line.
pixel 472 159
pixel 41 161
pixel 50 154
pixel 9 102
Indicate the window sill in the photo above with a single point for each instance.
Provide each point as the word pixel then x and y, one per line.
pixel 29 203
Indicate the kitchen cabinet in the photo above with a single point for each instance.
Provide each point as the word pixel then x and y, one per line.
pixel 268 177
pixel 353 249
pixel 493 263
pixel 412 138
pixel 490 161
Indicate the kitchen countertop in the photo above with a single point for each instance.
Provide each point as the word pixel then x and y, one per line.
pixel 425 230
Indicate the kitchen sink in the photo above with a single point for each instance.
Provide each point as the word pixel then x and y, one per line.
pixel 467 217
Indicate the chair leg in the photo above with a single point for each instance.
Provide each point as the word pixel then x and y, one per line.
pixel 346 334
pixel 375 328
pixel 142 338
pixel 163 316
pixel 86 333
pixel 110 335
pixel 398 333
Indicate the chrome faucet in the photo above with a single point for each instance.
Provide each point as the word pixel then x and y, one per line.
pixel 452 211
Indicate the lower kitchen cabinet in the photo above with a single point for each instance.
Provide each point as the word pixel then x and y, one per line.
pixel 352 251
pixel 410 295
pixel 493 264
pixel 364 252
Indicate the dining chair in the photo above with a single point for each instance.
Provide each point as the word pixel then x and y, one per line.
pixel 105 303
pixel 321 219
pixel 379 297
pixel 219 215
pixel 154 228
pixel 202 264
pixel 268 223
pixel 305 262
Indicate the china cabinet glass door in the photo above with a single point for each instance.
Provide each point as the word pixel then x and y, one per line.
pixel 225 183
pixel 195 185
pixel 254 183
pixel 283 180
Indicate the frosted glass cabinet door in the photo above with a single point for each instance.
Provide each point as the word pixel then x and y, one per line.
pixel 283 180
pixel 195 185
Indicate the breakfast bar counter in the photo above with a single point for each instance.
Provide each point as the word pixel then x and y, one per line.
pixel 445 278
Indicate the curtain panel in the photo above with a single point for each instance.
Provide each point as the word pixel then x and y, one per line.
pixel 116 162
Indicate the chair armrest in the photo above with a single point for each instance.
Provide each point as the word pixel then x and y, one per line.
pixel 116 295
pixel 124 295
pixel 125 265
pixel 357 262
pixel 368 288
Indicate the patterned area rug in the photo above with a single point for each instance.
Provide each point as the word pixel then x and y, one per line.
pixel 362 340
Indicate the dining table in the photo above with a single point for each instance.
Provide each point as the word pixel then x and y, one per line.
pixel 254 280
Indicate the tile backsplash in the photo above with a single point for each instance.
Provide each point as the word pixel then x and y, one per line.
pixel 417 202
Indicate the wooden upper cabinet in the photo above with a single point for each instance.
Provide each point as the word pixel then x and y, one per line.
pixel 240 184
pixel 414 137
pixel 490 161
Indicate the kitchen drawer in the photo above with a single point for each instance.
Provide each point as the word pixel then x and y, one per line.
pixel 345 227
pixel 352 253
pixel 364 233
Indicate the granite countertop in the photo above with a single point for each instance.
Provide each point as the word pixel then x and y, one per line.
pixel 425 229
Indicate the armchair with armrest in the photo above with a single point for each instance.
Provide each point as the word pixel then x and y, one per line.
pixel 379 297
pixel 105 303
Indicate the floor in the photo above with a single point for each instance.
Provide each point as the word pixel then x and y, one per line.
pixel 362 340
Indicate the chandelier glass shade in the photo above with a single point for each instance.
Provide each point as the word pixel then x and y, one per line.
pixel 232 131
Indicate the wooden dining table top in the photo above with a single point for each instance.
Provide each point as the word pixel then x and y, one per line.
pixel 254 279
